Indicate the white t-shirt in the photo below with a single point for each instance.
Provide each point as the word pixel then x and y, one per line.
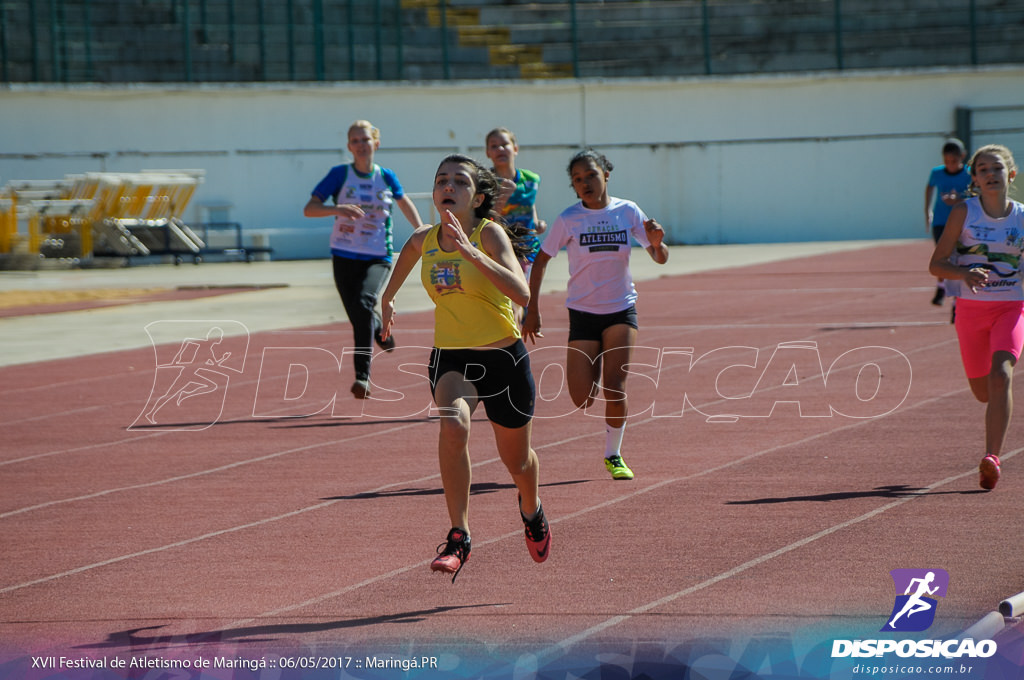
pixel 995 244
pixel 369 236
pixel 598 245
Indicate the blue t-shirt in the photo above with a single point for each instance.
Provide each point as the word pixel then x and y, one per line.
pixel 945 182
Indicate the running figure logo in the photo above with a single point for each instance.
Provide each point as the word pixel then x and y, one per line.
pixel 914 610
pixel 194 364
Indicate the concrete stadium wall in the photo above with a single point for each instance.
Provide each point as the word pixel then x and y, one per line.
pixel 824 156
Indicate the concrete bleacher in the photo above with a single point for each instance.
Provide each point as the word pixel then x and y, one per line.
pixel 617 38
pixel 123 41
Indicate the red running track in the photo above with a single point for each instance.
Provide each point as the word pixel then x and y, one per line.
pixel 259 517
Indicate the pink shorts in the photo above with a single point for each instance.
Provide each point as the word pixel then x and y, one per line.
pixel 985 328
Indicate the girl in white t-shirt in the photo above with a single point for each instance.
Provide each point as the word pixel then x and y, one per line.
pixel 982 246
pixel 601 297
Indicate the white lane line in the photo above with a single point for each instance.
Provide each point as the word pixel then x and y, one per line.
pixel 601 506
pixel 578 513
pixel 560 647
pixel 212 534
pixel 209 471
pixel 200 473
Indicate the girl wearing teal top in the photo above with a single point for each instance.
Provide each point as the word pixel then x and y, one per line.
pixel 472 273
pixel 518 202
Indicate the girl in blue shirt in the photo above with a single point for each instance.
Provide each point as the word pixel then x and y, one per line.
pixel 363 195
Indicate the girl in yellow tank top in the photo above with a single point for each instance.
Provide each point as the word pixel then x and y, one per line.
pixel 472 273
pixel 470 310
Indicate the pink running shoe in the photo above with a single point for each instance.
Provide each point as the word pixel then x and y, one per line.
pixel 988 471
pixel 453 554
pixel 538 534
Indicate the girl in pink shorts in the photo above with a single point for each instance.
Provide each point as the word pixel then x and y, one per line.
pixel 985 328
pixel 982 247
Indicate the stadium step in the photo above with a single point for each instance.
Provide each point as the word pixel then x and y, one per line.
pixel 501 49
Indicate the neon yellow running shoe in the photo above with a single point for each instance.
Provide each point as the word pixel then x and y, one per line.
pixel 618 468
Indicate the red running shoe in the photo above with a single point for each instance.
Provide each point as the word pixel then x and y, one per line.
pixel 988 471
pixel 538 534
pixel 453 554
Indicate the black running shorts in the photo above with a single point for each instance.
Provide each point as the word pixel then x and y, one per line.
pixel 502 378
pixel 587 326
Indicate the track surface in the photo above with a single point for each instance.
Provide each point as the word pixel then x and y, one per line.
pixel 261 518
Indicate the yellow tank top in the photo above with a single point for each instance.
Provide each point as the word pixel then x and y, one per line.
pixel 469 310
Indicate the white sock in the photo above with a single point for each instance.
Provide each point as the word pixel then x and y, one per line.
pixel 613 440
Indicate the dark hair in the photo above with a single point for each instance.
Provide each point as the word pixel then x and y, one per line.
pixel 954 145
pixel 484 182
pixel 487 183
pixel 590 155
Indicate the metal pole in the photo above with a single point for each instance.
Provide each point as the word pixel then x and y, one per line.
pixel 262 28
pixel 351 42
pixel 705 20
pixel 318 37
pixel 62 31
pixel 3 46
pixel 186 43
pixel 399 37
pixel 839 34
pixel 974 33
pixel 962 121
pixel 444 39
pixel 232 54
pixel 575 28
pixel 54 43
pixel 34 33
pixel 87 18
pixel 291 39
pixel 379 39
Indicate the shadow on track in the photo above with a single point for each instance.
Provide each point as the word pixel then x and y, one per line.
pixel 893 491
pixel 135 637
pixel 475 489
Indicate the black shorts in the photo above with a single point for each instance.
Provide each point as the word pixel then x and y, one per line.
pixel 937 230
pixel 502 378
pixel 587 326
